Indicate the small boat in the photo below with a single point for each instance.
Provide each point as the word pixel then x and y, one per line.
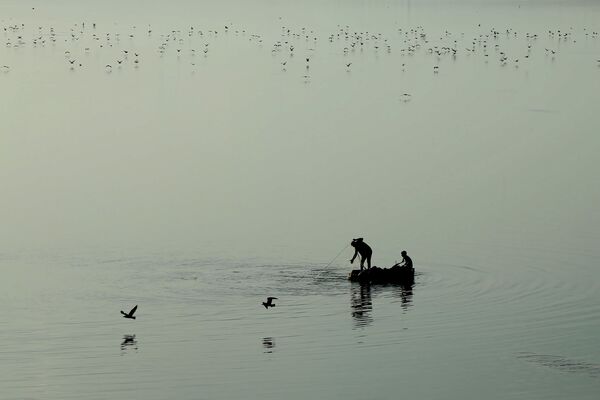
pixel 395 274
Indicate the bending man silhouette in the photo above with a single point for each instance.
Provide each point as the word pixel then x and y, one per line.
pixel 364 250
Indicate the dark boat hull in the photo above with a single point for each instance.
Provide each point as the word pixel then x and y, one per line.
pixel 383 275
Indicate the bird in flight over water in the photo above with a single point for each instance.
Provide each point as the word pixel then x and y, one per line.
pixel 130 315
pixel 269 302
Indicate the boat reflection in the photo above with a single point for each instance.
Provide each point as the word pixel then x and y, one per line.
pixel 405 294
pixel 362 304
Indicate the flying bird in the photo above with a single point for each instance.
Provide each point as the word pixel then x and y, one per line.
pixel 130 315
pixel 268 304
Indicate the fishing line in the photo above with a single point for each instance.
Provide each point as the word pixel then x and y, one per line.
pixel 338 254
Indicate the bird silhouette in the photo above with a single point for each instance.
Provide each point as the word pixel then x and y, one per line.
pixel 130 315
pixel 268 304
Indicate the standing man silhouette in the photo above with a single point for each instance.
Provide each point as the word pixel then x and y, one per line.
pixel 364 250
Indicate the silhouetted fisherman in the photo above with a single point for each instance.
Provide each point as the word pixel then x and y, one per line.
pixel 364 250
pixel 406 261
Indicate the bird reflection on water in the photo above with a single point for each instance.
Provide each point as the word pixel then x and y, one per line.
pixel 268 344
pixel 128 341
pixel 362 303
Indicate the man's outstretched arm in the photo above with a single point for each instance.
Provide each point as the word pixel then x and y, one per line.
pixel 353 257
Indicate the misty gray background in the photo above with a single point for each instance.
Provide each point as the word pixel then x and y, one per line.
pixel 241 155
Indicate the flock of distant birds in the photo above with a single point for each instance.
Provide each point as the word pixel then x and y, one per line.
pixel 487 44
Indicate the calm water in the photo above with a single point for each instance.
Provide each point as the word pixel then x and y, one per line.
pixel 222 168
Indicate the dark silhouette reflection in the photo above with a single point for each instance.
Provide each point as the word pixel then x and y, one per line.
pixel 268 344
pixel 406 295
pixel 404 292
pixel 361 304
pixel 129 341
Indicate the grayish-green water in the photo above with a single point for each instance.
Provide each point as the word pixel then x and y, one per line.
pixel 218 170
